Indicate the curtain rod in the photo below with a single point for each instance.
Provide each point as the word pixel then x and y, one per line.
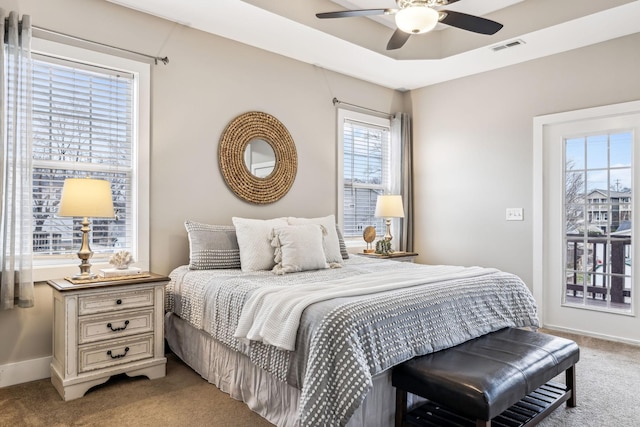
pixel 155 59
pixel 336 101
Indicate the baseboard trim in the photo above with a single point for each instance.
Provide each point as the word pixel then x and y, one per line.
pixel 25 371
pixel 591 334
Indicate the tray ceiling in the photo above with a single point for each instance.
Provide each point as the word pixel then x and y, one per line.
pixel 356 46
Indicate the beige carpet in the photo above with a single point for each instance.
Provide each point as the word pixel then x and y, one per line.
pixel 182 398
pixel 608 378
pixel 608 383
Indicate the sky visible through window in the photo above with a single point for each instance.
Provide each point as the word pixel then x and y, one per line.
pixel 606 160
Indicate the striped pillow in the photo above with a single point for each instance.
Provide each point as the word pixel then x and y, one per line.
pixel 343 246
pixel 212 246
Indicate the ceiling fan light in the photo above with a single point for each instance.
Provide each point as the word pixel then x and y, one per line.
pixel 417 19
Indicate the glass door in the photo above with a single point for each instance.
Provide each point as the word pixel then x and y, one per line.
pixel 584 222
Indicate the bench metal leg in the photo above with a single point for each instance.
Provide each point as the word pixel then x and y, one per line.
pixel 401 407
pixel 570 375
pixel 483 423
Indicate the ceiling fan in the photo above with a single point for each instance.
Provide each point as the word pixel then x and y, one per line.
pixel 419 16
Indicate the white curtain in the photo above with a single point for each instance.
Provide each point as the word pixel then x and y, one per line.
pixel 16 285
pixel 403 182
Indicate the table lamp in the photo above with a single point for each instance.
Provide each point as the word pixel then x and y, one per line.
pixel 389 206
pixel 86 197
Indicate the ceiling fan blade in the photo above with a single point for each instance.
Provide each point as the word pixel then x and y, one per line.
pixel 350 13
pixel 472 23
pixel 398 39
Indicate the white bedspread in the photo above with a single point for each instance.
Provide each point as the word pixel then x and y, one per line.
pixel 272 315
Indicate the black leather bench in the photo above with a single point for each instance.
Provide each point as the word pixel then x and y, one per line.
pixel 502 377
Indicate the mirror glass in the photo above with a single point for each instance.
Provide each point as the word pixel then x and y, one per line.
pixel 259 158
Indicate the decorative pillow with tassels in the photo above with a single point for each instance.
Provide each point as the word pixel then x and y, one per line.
pixel 331 242
pixel 299 248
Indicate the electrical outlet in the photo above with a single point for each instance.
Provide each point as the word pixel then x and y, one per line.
pixel 515 214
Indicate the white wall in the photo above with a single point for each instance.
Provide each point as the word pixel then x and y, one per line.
pixel 473 145
pixel 209 81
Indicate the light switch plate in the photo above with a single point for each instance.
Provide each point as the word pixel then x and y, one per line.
pixel 515 214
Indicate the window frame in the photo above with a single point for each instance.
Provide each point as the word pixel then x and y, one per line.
pixel 44 267
pixel 548 131
pixel 378 121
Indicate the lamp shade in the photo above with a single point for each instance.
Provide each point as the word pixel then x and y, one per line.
pixel 389 206
pixel 417 19
pixel 86 197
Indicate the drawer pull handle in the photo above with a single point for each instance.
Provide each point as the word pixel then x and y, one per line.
pixel 121 328
pixel 119 301
pixel 118 356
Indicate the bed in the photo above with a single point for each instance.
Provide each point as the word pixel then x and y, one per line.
pixel 314 347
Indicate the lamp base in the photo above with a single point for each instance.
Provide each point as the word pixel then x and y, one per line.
pixel 387 235
pixel 84 276
pixel 85 253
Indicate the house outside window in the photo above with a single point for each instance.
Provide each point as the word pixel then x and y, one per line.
pixel 364 172
pixel 90 119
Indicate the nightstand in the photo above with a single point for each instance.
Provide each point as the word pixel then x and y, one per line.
pixel 395 256
pixel 105 328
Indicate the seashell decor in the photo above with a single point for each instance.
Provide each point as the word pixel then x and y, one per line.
pixel 121 260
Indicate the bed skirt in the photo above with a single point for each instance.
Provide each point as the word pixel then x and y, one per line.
pixel 274 400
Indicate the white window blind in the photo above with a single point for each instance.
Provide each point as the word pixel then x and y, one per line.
pixel 366 154
pixel 82 126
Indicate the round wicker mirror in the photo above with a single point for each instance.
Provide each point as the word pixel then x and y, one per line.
pixel 232 150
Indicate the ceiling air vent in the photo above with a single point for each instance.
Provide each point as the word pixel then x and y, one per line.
pixel 507 45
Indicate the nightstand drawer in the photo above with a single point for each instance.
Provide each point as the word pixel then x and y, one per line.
pixel 110 301
pixel 120 352
pixel 114 325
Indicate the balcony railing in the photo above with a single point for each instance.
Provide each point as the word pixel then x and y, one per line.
pixel 596 281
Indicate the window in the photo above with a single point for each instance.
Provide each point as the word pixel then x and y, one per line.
pixel 598 191
pixel 364 171
pixel 82 121
pixel 90 118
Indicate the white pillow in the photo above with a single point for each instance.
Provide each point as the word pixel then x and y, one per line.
pixel 298 248
pixel 331 242
pixel 256 252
